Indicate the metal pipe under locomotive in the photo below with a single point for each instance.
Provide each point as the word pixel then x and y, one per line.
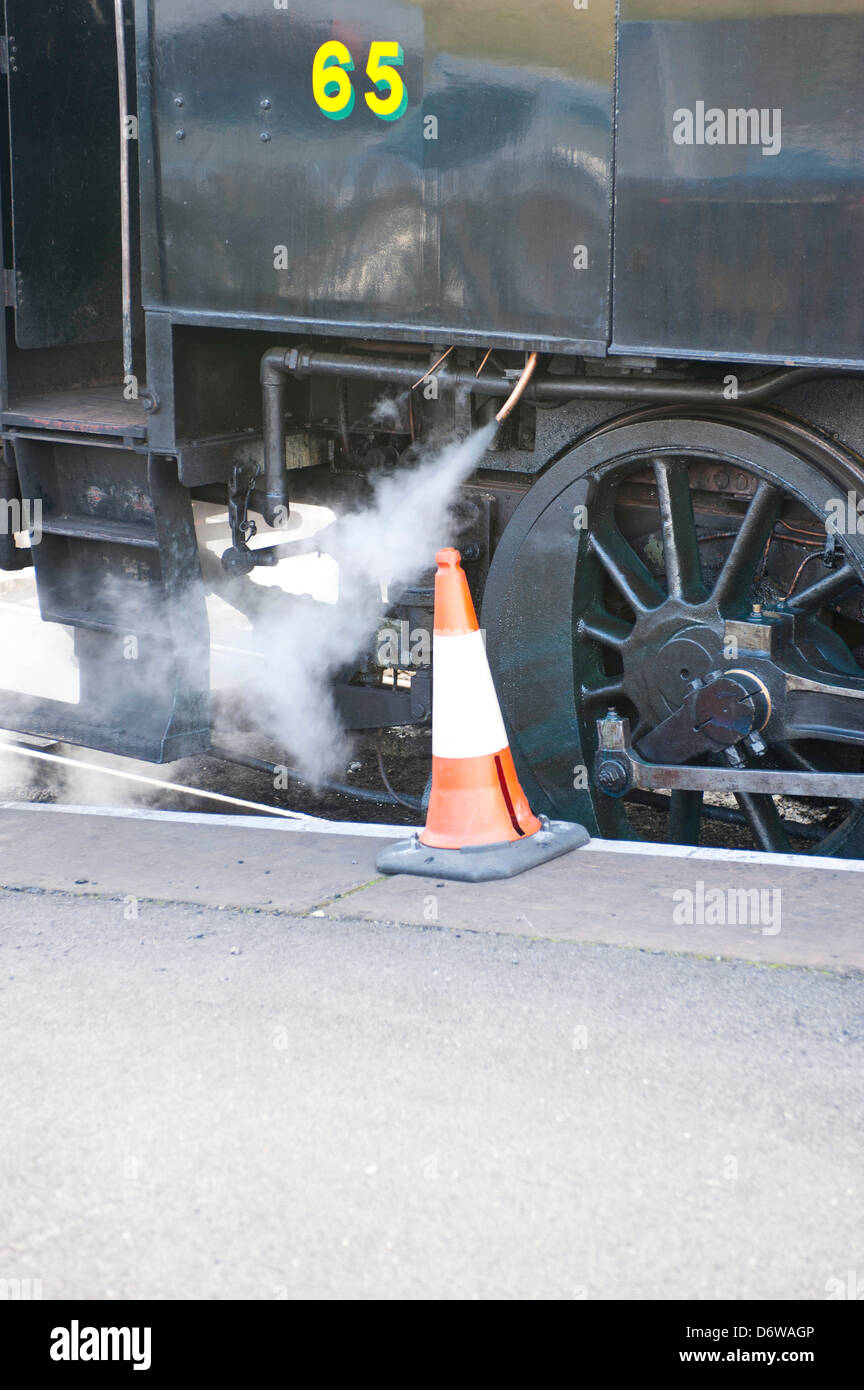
pixel 230 229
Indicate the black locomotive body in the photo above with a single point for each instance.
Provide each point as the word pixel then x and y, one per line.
pixel 231 229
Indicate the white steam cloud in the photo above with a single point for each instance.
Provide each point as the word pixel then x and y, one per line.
pixel 296 646
pixel 390 541
pixel 387 412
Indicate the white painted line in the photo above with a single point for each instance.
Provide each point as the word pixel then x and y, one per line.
pixel 19 750
pixel 291 820
pixel 757 858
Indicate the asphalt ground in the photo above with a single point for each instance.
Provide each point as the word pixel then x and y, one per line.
pixel 295 1080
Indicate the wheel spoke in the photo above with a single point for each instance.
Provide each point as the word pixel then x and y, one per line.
pixel 604 628
pixel 739 571
pixel 685 817
pixel 798 758
pixel 824 591
pixel 608 691
pixel 630 575
pixel 680 542
pixel 764 821
pixel 852 736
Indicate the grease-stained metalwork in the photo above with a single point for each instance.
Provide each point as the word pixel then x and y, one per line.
pixel 362 223
pixel 740 250
pixel 459 220
pixel 65 152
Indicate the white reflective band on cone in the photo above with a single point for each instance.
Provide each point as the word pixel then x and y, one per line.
pixel 466 718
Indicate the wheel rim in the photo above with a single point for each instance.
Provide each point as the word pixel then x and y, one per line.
pixel 579 619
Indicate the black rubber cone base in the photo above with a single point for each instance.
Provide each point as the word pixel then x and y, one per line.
pixel 477 863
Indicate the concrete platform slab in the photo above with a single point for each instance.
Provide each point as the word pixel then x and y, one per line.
pixel 737 908
pixel 771 909
pixel 171 858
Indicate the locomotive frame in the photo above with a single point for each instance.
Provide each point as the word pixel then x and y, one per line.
pixel 698 393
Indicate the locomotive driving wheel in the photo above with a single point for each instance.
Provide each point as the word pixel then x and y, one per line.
pixel 625 580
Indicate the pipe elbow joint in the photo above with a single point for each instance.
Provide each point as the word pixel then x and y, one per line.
pixel 273 366
pixel 279 362
pixel 275 506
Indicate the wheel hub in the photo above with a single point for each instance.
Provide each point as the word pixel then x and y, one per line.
pixel 667 653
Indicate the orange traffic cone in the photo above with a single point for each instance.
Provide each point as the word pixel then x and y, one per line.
pixel 479 824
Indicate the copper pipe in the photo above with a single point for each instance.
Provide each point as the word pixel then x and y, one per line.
pixel 513 398
pixel 785 540
pixel 434 365
pixel 798 572
pixel 802 530
pixel 483 363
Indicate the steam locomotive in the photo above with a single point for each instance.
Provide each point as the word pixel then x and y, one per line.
pixel 233 229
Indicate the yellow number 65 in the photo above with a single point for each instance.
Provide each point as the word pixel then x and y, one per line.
pixel 331 85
